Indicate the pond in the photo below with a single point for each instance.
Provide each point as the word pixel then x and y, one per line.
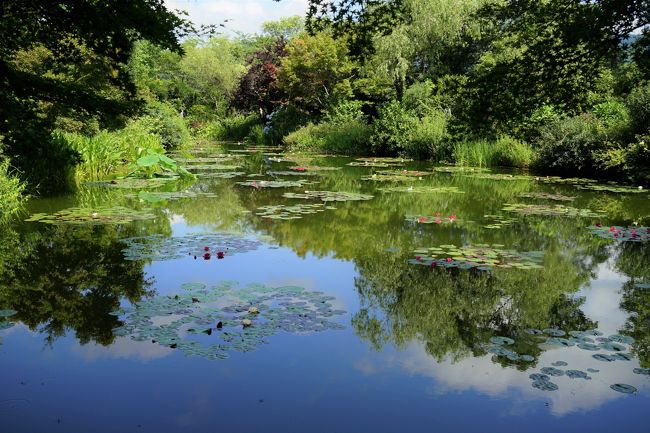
pixel 283 292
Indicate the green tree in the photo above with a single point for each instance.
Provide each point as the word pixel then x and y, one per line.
pixel 316 72
pixel 70 32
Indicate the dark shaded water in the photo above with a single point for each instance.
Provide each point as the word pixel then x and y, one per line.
pixel 412 350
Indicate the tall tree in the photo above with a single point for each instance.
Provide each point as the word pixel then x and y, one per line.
pixel 70 31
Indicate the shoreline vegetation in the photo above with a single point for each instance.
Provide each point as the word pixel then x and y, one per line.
pixel 465 82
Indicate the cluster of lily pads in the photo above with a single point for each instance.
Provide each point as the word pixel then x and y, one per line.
pixel 163 196
pixel 380 177
pixel 207 245
pixel 424 189
pixel 482 257
pixel 213 321
pixel 92 216
pixel 546 210
pixel 622 234
pixel 134 182
pixel 212 167
pixel 305 168
pixel 498 221
pixel 546 196
pixel 460 169
pixel 613 188
pixel 328 196
pixel 220 174
pixel 275 183
pixel 436 218
pixel 292 173
pixel 591 340
pixel 291 212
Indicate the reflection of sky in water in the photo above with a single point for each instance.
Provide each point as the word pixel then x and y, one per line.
pixel 324 382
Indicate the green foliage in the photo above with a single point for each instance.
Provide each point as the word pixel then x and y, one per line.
pixel 400 130
pixel 284 28
pixel 234 127
pixel 283 121
pixel 568 145
pixel 343 136
pixel 163 120
pixel 316 72
pixel 11 192
pixel 153 164
pixel 614 118
pixel 256 135
pixel 638 102
pixel 505 151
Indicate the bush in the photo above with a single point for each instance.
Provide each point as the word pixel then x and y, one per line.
pixel 283 121
pixel 569 145
pixel 638 102
pixel 235 127
pixel 349 137
pixel 614 118
pixel 505 152
pixel 11 192
pixel 400 130
pixel 637 160
pixel 256 135
pixel 162 119
pixel 528 130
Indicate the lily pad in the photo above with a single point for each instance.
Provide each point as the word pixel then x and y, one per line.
pixel 275 183
pixel 623 388
pixel 613 347
pixel 502 340
pixel 546 196
pixel 622 234
pixel 552 371
pixel 603 357
pixel 460 169
pixel 93 216
pixel 436 219
pixel 211 322
pixel 644 371
pixel 160 247
pixel 291 173
pixel 289 212
pixel 546 210
pixel 545 385
pixel 135 183
pixel 625 339
pixel 560 364
pixel 577 374
pixel 424 189
pixel 554 332
pixel 328 196
pixel 476 257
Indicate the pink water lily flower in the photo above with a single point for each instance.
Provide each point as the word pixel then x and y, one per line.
pixel 449 259
pixel 422 220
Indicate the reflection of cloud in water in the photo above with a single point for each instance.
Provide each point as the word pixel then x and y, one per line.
pixel 124 348
pixel 603 299
pixel 483 376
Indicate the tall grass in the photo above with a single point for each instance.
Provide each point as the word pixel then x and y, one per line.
pixel 11 192
pixel 505 152
pixel 108 153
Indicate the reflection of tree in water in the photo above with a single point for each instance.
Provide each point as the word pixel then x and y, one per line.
pixel 453 312
pixel 66 277
pixel 633 260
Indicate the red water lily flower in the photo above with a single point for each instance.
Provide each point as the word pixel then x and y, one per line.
pixel 452 217
pixel 221 255
pixel 206 248
pixel 255 185
pixel 612 229
pixel 599 225
pixel 301 169
pixel 418 258
pixel 422 220
pixel 438 221
pixel 206 256
pixel 434 264
pixel 449 259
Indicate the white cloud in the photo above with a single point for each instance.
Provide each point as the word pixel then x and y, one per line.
pixel 244 16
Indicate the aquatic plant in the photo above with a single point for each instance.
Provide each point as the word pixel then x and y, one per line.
pixel 135 183
pixel 289 212
pixel 481 257
pixel 93 216
pixel 622 234
pixel 211 322
pixel 424 189
pixel 257 183
pixel 436 218
pixel 304 168
pixel 328 196
pixel 291 173
pixel 546 196
pixel 546 210
pixel 160 247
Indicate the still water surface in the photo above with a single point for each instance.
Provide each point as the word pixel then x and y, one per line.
pixel 351 327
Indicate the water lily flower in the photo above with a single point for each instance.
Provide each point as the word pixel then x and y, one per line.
pixel 449 259
pixel 255 185
pixel 418 258
pixel 437 214
pixel 438 221
pixel 612 229
pixel 452 217
pixel 206 248
pixel 300 169
pixel 434 264
pixel 422 220
pixel 206 256
pixel 220 254
pixel 599 225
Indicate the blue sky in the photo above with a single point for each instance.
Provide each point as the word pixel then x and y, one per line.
pixel 245 15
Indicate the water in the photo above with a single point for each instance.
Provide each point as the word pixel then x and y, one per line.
pixel 411 352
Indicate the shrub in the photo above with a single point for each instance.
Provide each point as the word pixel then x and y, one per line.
pixel 614 118
pixel 637 160
pixel 11 192
pixel 235 127
pixel 350 137
pixel 638 102
pixel 540 117
pixel 256 135
pixel 162 119
pixel 283 121
pixel 399 130
pixel 569 145
pixel 505 151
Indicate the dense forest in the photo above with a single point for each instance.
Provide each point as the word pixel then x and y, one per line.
pixel 94 89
